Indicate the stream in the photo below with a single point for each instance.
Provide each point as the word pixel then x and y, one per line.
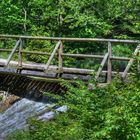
pixel 14 118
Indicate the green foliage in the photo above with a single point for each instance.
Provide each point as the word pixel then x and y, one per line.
pixel 110 113
pixel 70 18
pixel 84 18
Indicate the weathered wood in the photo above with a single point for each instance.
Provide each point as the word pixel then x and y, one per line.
pixel 12 53
pixel 49 69
pixel 48 76
pixel 52 75
pixel 120 58
pixel 68 73
pixel 130 63
pixel 52 56
pixel 63 54
pixel 71 55
pixel 20 55
pixel 41 67
pixel 71 39
pixel 101 66
pixel 109 63
pixel 60 65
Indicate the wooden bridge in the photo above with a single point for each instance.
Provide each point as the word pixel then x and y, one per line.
pixel 24 75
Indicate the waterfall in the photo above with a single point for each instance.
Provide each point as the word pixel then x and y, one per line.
pixel 14 118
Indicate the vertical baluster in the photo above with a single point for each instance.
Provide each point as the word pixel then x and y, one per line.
pixel 20 55
pixel 60 65
pixel 109 65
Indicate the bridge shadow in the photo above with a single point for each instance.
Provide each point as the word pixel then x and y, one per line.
pixel 30 88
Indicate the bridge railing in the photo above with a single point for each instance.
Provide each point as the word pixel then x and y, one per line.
pixel 58 51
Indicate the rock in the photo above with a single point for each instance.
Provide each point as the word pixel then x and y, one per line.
pixel 7 100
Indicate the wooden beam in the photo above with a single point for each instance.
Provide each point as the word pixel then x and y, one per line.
pixel 60 65
pixel 12 53
pixel 41 67
pixel 101 66
pixel 51 75
pixel 120 58
pixel 109 63
pixel 130 63
pixel 70 55
pixel 52 56
pixel 48 75
pixel 70 39
pixel 20 54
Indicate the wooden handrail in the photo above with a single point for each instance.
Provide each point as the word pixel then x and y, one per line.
pixel 70 39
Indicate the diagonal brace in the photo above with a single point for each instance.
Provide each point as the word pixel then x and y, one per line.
pixel 52 56
pixel 12 53
pixel 130 63
pixel 101 66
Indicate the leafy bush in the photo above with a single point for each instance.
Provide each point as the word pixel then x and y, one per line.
pixel 110 113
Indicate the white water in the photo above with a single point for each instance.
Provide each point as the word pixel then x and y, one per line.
pixel 15 117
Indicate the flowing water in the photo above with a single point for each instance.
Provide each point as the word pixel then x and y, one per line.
pixel 14 118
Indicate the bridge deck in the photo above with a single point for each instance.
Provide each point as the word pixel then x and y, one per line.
pixel 37 69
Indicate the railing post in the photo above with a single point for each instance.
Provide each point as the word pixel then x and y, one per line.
pixel 60 59
pixel 109 63
pixel 20 54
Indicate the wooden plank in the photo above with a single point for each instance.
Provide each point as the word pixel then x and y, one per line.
pixel 52 69
pixel 130 63
pixel 47 76
pixel 41 67
pixel 44 75
pixel 109 63
pixel 12 53
pixel 70 39
pixel 101 66
pixel 52 56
